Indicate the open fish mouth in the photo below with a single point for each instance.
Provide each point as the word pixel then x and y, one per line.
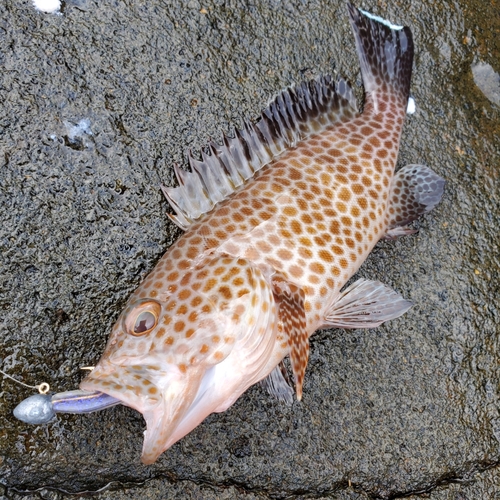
pixel 162 396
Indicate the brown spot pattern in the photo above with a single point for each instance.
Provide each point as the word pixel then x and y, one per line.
pixel 310 217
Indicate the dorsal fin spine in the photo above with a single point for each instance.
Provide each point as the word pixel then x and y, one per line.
pixel 292 116
pixel 216 173
pixel 290 123
pixel 279 119
pixel 230 162
pixel 194 164
pixel 194 185
pixel 249 149
pixel 238 150
pixel 258 145
pixel 179 219
pixel 267 129
pixel 290 99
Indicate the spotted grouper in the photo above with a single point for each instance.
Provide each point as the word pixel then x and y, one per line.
pixel 277 219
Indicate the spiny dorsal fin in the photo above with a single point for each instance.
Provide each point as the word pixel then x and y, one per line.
pixel 293 115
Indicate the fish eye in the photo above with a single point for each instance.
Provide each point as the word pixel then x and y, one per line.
pixel 143 318
pixel 144 322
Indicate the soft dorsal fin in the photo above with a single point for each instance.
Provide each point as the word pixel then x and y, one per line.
pixel 295 114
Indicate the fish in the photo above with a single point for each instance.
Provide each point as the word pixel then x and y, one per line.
pixel 277 218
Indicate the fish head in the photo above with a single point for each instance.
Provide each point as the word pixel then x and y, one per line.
pixel 190 349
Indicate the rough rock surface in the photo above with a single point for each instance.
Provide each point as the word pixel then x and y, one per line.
pixel 408 408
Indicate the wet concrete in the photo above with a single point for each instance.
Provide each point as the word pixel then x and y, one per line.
pixel 410 407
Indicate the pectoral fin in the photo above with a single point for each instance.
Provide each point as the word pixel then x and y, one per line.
pixel 292 315
pixel 415 190
pixel 366 304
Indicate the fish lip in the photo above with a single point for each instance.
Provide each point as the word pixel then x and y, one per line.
pixel 119 390
pixel 88 385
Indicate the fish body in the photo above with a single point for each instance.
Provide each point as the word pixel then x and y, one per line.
pixel 277 220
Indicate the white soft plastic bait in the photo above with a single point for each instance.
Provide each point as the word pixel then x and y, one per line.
pixel 41 408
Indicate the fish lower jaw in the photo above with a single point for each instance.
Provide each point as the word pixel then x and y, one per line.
pixel 163 398
pixel 161 418
pixel 158 435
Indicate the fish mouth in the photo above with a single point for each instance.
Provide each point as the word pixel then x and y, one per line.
pixel 163 398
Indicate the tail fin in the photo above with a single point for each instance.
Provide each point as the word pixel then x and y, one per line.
pixel 385 53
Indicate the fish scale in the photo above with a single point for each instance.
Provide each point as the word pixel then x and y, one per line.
pixel 277 219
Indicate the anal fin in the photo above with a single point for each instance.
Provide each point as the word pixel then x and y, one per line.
pixel 292 315
pixel 415 190
pixel 366 304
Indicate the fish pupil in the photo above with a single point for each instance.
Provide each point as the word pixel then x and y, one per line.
pixel 144 322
